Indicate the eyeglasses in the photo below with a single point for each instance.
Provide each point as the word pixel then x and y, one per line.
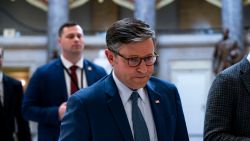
pixel 135 61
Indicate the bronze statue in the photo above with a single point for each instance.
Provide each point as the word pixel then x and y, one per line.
pixel 227 52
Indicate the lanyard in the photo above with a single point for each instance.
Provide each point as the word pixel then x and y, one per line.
pixel 71 77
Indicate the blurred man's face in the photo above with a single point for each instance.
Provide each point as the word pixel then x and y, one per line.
pixel 71 41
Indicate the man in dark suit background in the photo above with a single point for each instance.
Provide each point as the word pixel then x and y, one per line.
pixel 228 106
pixel 129 104
pixel 12 124
pixel 52 84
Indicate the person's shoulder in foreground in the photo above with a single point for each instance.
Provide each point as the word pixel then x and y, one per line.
pixel 227 108
pixel 93 113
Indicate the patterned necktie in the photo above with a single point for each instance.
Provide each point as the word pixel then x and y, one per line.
pixel 73 80
pixel 139 124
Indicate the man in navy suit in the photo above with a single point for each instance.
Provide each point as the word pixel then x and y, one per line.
pixel 51 85
pixel 109 111
pixel 12 123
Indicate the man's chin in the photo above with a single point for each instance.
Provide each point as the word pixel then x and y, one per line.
pixel 141 79
pixel 139 85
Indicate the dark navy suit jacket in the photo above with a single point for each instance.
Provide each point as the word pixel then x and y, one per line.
pixel 11 119
pixel 97 113
pixel 46 91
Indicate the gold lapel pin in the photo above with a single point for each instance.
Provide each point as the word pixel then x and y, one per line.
pixel 90 68
pixel 157 101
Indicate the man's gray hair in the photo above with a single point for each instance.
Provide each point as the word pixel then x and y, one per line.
pixel 126 31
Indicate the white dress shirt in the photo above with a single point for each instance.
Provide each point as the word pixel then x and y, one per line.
pixel 143 103
pixel 248 57
pixel 80 71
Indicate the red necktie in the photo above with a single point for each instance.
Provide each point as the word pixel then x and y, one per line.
pixel 73 80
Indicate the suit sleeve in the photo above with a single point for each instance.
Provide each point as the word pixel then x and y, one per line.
pixel 23 130
pixel 219 110
pixel 75 124
pixel 33 108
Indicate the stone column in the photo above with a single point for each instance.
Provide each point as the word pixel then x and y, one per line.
pixel 145 10
pixel 232 18
pixel 58 13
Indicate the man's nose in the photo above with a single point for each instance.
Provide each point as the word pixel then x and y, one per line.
pixel 142 67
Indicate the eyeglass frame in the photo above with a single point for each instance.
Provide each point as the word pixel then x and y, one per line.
pixel 141 58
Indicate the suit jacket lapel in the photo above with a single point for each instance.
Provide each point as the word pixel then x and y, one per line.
pixel 6 91
pixel 61 83
pixel 245 74
pixel 156 106
pixel 116 107
pixel 90 74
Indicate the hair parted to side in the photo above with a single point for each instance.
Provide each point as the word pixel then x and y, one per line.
pixel 67 24
pixel 126 31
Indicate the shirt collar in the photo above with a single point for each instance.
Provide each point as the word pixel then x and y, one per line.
pixel 68 64
pixel 126 92
pixel 248 57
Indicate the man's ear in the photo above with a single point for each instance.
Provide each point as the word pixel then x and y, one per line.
pixel 59 41
pixel 110 56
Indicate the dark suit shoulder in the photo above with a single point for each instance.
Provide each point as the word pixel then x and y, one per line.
pixel 94 66
pixel 48 70
pixel 50 65
pixel 89 63
pixel 236 69
pixel 90 95
pixel 11 79
pixel 163 87
pixel 159 84
pixel 94 89
pixel 233 73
